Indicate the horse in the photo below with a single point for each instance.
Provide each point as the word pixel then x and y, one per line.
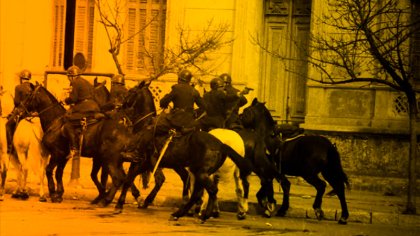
pixel 104 140
pixel 304 156
pixel 229 170
pixel 31 155
pixel 202 153
pixel 3 156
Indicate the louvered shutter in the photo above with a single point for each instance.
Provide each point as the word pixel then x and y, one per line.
pixel 146 20
pixel 83 30
pixel 57 54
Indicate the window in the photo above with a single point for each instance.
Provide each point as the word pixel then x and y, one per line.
pixel 72 32
pixel 146 34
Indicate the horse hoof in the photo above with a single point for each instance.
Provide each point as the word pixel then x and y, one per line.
pixel 42 199
pixel 16 195
pixel 1 198
pixel 281 213
pixel 117 211
pixel 267 214
pixel 342 221
pixel 241 216
pixel 215 214
pixel 173 218
pixel 24 196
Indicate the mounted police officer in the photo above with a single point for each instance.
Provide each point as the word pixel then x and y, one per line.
pixel 216 106
pixel 83 106
pixel 181 117
pixel 183 96
pixel 235 100
pixel 22 92
pixel 117 94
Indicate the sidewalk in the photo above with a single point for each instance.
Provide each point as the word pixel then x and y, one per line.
pixel 364 206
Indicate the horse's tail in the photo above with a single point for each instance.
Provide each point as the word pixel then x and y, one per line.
pixel 243 164
pixel 334 164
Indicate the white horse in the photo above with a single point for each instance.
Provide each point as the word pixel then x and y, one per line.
pixel 229 170
pixel 4 160
pixel 31 155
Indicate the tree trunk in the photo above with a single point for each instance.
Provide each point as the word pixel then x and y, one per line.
pixel 411 194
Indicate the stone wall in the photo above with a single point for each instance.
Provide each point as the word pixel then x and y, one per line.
pixel 374 162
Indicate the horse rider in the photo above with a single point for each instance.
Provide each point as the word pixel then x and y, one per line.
pixel 183 96
pixel 22 92
pixel 236 100
pixel 81 98
pixel 117 94
pixel 180 118
pixel 216 106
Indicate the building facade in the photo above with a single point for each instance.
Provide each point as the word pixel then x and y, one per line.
pixel 46 35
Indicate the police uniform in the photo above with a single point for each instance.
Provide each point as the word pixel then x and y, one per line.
pixel 84 105
pixel 235 100
pixel 183 96
pixel 22 92
pixel 216 109
pixel 82 96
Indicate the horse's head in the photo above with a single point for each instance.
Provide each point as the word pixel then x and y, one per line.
pixel 139 104
pixel 257 115
pixel 101 93
pixel 40 100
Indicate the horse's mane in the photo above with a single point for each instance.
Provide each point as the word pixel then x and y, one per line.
pixel 50 96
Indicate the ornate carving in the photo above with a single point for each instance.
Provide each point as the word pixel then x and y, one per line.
pixel 277 7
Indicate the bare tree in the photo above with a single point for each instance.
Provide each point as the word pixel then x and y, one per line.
pixel 370 42
pixel 191 51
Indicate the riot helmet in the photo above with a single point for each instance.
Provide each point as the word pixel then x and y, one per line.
pixel 25 75
pixel 185 76
pixel 226 77
pixel 73 71
pixel 217 83
pixel 118 79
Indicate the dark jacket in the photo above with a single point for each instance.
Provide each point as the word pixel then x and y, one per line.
pixel 81 96
pixel 216 110
pixel 22 91
pixel 183 96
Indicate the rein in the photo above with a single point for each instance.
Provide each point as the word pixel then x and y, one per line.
pixel 143 117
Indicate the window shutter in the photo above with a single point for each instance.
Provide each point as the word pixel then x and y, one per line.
pixel 83 30
pixel 146 20
pixel 57 54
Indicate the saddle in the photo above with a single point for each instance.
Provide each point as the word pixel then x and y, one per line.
pixel 287 131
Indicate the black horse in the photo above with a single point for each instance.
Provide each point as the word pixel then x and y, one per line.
pixel 304 156
pixel 200 151
pixel 104 140
pixel 139 107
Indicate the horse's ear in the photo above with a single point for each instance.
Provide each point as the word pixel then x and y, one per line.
pixel 95 82
pixel 142 83
pixel 254 101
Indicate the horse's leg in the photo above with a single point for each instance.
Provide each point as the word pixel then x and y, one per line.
pixel 339 189
pixel 285 186
pixel 159 180
pixel 185 177
pixel 242 191
pixel 211 188
pixel 320 186
pixel 3 170
pixel 195 196
pixel 96 166
pixel 58 196
pixel 118 177
pixel 133 171
pixel 49 173
pixel 42 169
